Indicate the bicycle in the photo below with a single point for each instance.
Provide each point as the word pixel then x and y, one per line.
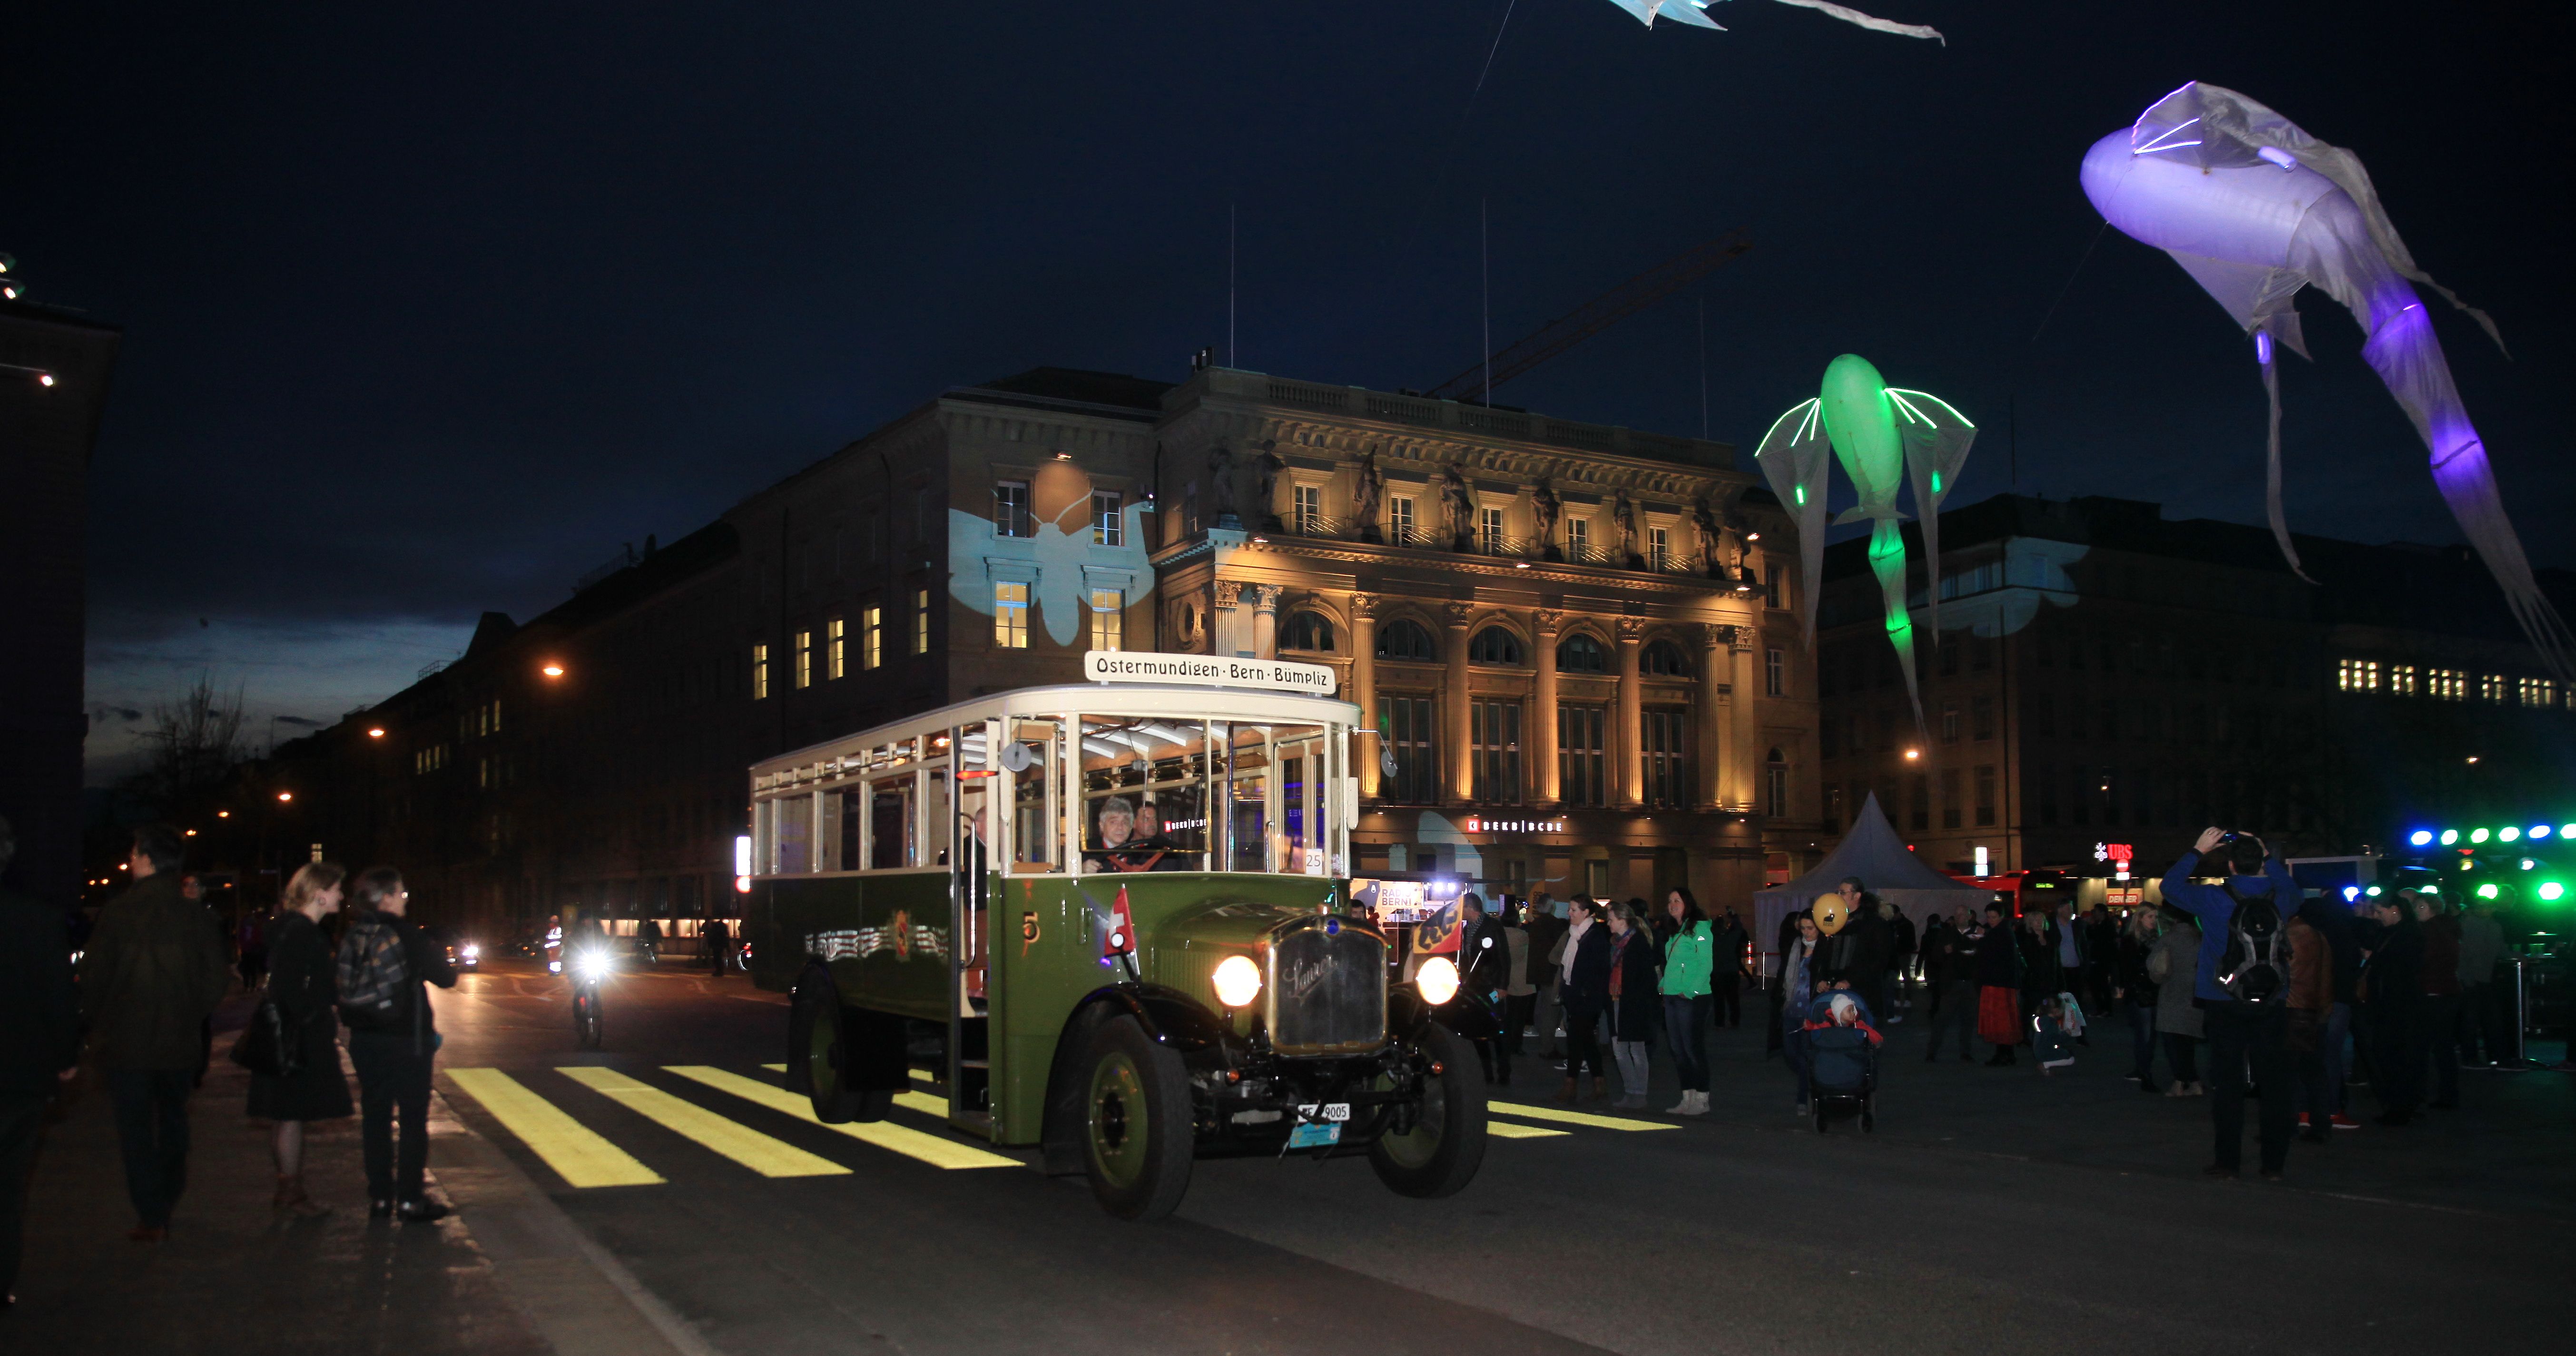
pixel 589 976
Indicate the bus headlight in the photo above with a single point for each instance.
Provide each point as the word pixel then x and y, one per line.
pixel 1437 980
pixel 1238 981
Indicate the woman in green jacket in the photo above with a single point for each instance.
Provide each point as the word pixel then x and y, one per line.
pixel 1689 954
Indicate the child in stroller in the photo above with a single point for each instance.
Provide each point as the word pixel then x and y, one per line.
pixel 1842 1056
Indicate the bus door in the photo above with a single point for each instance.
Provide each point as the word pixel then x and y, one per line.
pixel 968 1071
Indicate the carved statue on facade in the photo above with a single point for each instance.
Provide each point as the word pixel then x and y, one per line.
pixel 1268 465
pixel 1623 515
pixel 1460 505
pixel 1712 538
pixel 1544 508
pixel 1221 493
pixel 1368 490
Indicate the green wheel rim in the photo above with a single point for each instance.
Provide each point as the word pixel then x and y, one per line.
pixel 818 1055
pixel 1119 1123
pixel 1414 1148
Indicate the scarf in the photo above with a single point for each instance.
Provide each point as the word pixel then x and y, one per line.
pixel 1619 948
pixel 1573 939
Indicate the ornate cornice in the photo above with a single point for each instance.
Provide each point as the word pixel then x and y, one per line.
pixel 1228 592
pixel 1363 605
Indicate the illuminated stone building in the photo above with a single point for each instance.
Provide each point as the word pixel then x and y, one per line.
pixel 1611 684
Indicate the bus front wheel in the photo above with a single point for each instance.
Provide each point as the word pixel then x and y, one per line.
pixel 826 1058
pixel 1137 1124
pixel 1441 1153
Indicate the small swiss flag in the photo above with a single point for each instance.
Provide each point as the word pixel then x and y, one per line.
pixel 1120 939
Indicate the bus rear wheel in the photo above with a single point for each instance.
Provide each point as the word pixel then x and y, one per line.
pixel 1138 1134
pixel 1440 1154
pixel 821 1046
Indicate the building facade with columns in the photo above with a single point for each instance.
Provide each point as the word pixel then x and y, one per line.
pixel 1577 643
pixel 1577 685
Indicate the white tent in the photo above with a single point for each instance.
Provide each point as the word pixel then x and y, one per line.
pixel 1873 852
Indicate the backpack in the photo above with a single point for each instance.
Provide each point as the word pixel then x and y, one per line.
pixel 2255 967
pixel 371 970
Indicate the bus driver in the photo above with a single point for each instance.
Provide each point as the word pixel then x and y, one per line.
pixel 1121 848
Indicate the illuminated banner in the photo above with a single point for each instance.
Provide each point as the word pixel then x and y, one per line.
pixel 1478 824
pixel 1268 675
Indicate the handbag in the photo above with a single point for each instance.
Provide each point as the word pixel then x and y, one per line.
pixel 268 1045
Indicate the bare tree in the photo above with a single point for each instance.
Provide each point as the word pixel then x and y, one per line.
pixel 194 741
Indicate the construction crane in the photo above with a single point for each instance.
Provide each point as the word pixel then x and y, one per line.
pixel 1592 317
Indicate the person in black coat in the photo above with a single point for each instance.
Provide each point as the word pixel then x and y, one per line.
pixel 2392 988
pixel 39 1045
pixel 1633 999
pixel 307 993
pixel 1585 992
pixel 1999 974
pixel 1485 970
pixel 1856 957
pixel 392 1044
pixel 1726 969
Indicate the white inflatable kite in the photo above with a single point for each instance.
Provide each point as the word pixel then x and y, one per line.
pixel 1688 12
pixel 2256 209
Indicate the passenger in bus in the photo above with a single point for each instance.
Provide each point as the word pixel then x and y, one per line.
pixel 1118 846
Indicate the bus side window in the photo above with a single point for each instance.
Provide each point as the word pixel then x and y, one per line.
pixel 1037 825
pixel 792 818
pixel 844 815
pixel 890 823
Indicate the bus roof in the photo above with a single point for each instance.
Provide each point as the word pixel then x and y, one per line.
pixel 1172 701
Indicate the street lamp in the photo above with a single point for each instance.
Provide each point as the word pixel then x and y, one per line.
pixel 376 732
pixel 1912 754
pixel 552 670
pixel 284 796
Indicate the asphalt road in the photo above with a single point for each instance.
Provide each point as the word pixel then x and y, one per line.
pixel 1994 1212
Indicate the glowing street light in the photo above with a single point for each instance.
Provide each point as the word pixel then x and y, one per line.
pixel 375 732
pixel 284 796
pixel 552 670
pixel 223 814
pixel 1912 754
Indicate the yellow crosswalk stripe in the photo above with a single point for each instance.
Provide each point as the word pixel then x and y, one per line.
pixel 909 1101
pixel 578 1155
pixel 935 1150
pixel 752 1149
pixel 1549 1113
pixel 1507 1130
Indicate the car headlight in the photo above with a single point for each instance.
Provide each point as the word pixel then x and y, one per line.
pixel 1437 980
pixel 1238 981
pixel 473 953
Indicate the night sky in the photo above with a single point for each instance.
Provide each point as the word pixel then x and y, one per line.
pixel 428 313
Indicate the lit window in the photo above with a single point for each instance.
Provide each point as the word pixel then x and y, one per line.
pixel 804 659
pixel 1775 673
pixel 921 621
pixel 759 672
pixel 836 659
pixel 1310 508
pixel 1659 547
pixel 2449 685
pixel 1489 530
pixel 871 637
pixel 2539 692
pixel 1108 619
pixel 1663 659
pixel 2491 687
pixel 2401 680
pixel 1011 615
pixel 2357 675
pixel 1578 538
pixel 1402 639
pixel 1107 527
pixel 1011 509
pixel 1579 653
pixel 1950 723
pixel 1307 631
pixel 1399 520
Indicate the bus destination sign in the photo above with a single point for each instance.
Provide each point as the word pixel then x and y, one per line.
pixel 1146 666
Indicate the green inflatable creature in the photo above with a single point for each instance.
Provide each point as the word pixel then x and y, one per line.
pixel 1882 434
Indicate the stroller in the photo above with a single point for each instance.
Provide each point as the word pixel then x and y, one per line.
pixel 1842 1064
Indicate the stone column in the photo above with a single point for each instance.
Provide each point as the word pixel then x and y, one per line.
pixel 1541 741
pixel 1265 621
pixel 1225 622
pixel 1366 750
pixel 1714 751
pixel 1747 763
pixel 1453 705
pixel 1631 739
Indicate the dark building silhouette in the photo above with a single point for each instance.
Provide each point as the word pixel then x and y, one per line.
pixel 46 434
pixel 2107 675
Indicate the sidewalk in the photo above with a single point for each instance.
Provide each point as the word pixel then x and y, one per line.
pixel 507 1275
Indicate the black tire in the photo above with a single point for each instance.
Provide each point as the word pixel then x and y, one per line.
pixel 1137 1127
pixel 1440 1155
pixel 824 1054
pixel 588 1024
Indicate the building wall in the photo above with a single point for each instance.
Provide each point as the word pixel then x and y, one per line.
pixel 2128 679
pixel 46 434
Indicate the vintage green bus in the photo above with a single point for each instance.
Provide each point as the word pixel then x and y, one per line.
pixel 1113 921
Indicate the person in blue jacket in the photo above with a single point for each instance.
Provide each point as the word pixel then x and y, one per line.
pixel 2240 1035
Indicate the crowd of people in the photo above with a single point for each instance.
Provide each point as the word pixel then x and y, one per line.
pixel 139 1004
pixel 2395 996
